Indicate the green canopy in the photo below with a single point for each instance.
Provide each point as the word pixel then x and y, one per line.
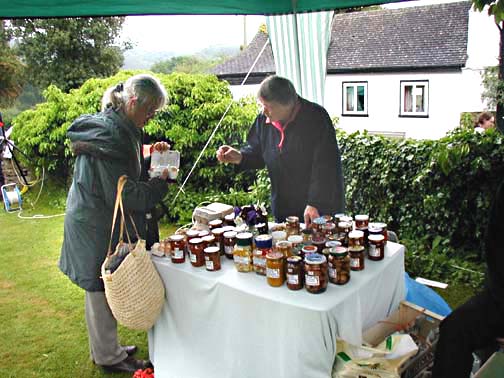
pixel 69 8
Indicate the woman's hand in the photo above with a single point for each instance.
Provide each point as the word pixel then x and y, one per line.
pixel 228 154
pixel 160 146
pixel 310 214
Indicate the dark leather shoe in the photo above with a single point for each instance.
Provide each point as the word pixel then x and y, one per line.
pixel 128 365
pixel 130 349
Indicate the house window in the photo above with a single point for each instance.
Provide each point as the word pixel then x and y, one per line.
pixel 355 98
pixel 414 99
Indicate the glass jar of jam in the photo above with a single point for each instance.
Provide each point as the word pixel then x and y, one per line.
pixel 332 243
pixel 296 243
pixel 307 235
pixel 337 217
pixel 361 221
pixel 242 254
pixel 292 225
pixel 356 238
pixel 328 218
pixel 356 258
pixel 284 247
pixel 261 228
pixel 315 268
pixel 317 224
pixel 218 234
pixel 275 274
pixel 229 220
pixel 329 229
pixel 191 234
pixel 212 258
pixel 319 242
pixel 263 246
pixel 229 243
pixel 216 223
pixel 339 265
pixel 308 250
pixel 379 228
pixel 209 241
pixel 203 233
pixel 376 249
pixel 196 254
pixel 295 273
pixel 177 246
pixel 344 229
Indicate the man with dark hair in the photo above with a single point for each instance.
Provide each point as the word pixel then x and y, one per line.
pixel 295 140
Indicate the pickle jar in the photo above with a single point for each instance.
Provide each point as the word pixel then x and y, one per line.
pixel 216 223
pixel 177 246
pixel 356 258
pixel 315 268
pixel 229 243
pixel 284 247
pixel 379 228
pixel 319 242
pixel 339 265
pixel 229 220
pixel 295 273
pixel 376 249
pixel 356 238
pixel 292 225
pixel 196 252
pixel 361 221
pixel 218 234
pixel 212 258
pixel 296 243
pixel 275 274
pixel 308 250
pixel 263 246
pixel 242 253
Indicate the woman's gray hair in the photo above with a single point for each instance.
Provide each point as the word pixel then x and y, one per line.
pixel 145 88
pixel 277 89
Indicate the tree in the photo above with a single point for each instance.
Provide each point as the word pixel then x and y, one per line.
pixel 192 64
pixel 496 9
pixel 68 51
pixel 11 71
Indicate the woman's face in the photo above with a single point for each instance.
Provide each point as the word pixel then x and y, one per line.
pixel 488 123
pixel 140 113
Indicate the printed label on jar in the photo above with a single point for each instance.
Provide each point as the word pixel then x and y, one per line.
pixel 333 273
pixel 259 261
pixel 228 249
pixel 355 263
pixel 193 257
pixel 373 251
pixel 209 265
pixel 293 279
pixel 273 273
pixel 178 253
pixel 312 280
pixel 241 260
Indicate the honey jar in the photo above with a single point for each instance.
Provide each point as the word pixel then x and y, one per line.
pixel 242 253
pixel 376 249
pixel 295 273
pixel 356 258
pixel 212 258
pixel 229 243
pixel 339 265
pixel 315 268
pixel 177 246
pixel 361 221
pixel 292 225
pixel 296 242
pixel 284 247
pixel 356 238
pixel 275 274
pixel 196 252
pixel 263 246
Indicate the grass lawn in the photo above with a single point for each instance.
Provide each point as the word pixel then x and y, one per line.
pixel 42 312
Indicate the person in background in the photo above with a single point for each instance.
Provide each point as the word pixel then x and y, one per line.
pixel 478 323
pixel 108 145
pixel 295 140
pixel 485 121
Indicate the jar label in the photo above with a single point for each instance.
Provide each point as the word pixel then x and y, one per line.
pixel 209 265
pixel 193 257
pixel 273 273
pixel 258 261
pixel 373 251
pixel 312 280
pixel 178 253
pixel 228 249
pixel 355 263
pixel 243 260
pixel 333 273
pixel 293 279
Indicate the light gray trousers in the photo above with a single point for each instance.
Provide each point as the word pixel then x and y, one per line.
pixel 102 330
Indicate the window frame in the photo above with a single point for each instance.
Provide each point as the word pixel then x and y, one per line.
pixel 354 113
pixel 414 83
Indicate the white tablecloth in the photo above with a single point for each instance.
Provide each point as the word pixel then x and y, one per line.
pixel 230 324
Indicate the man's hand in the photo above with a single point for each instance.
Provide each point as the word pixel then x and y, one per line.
pixel 228 154
pixel 310 214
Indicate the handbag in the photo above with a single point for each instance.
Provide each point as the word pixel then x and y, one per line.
pixel 134 291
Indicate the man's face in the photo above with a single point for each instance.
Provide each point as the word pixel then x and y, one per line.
pixel 275 111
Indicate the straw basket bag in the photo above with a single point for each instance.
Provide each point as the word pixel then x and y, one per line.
pixel 134 291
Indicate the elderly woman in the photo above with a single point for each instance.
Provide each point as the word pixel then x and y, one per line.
pixel 108 145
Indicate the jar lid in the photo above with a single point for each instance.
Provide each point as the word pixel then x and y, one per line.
pixel 279 235
pixel 208 238
pixel 229 217
pixel 177 237
pixel 211 249
pixel 315 259
pixel 376 238
pixel 274 255
pixel 264 241
pixel 215 222
pixel 329 225
pixel 192 233
pixel 318 239
pixel 260 225
pixel 338 251
pixel 356 234
pixel 362 217
pixel 378 224
pixel 374 228
pixel 294 259
pixel 218 231
pixel 283 244
pixel 357 248
pixel 195 241
pixel 203 233
pixel 228 228
pixel 319 221
pixel 344 224
pixel 308 249
pixel 339 215
pixel 346 218
pixel 230 234
pixel 332 244
pixel 295 239
pixel 292 219
pixel 244 239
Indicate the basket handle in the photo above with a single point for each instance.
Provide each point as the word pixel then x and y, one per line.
pixel 118 204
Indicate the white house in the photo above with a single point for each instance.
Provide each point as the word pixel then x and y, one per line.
pixel 401 72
